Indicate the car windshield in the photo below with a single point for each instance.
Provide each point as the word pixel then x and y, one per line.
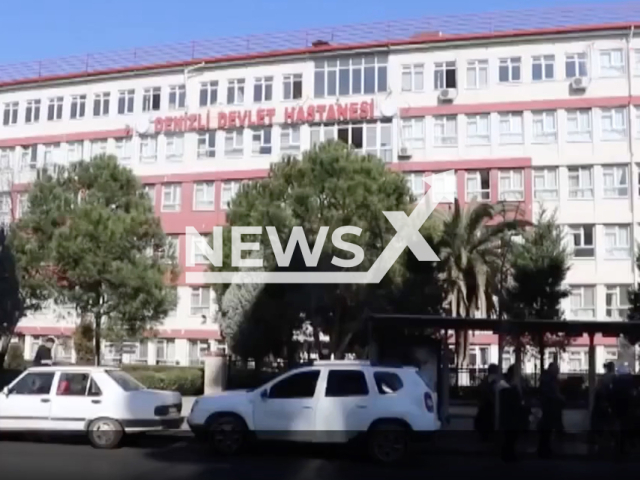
pixel 126 381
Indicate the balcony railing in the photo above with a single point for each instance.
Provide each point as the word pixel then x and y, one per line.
pixel 486 24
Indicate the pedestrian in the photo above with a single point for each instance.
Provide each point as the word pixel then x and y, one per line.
pixel 601 412
pixel 621 400
pixel 552 404
pixel 44 354
pixel 513 413
pixel 485 416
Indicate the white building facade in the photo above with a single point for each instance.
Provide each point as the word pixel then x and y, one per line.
pixel 546 119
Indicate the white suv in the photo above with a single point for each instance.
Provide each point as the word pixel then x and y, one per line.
pixel 328 402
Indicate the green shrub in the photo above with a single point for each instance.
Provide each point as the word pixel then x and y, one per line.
pixel 15 357
pixel 185 380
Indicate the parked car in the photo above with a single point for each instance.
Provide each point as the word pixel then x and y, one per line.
pixel 103 403
pixel 328 402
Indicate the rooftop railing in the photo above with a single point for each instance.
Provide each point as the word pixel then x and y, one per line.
pixel 492 23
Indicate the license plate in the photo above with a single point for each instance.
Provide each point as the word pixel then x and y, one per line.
pixel 173 411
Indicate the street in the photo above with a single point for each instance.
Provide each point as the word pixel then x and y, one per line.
pixel 177 457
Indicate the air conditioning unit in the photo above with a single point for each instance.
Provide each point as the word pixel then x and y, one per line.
pixel 579 83
pixel 448 94
pixel 404 153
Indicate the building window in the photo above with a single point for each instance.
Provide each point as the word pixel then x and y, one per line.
pixel 618 303
pixel 616 241
pixel 478 186
pixel 578 361
pixel 612 63
pixel 29 157
pixel 51 154
pixel 413 77
pixel 444 75
pixel 32 112
pixel 148 149
pixel 6 158
pixel 290 138
pixel 200 301
pixel 171 197
pixel 545 127
pixel 23 205
pixel 616 181
pixel 477 74
pixel 78 107
pixel 229 190
pixel 98 147
pixel 177 97
pixel 582 241
pixel 101 104
pixel 209 93
pixel 444 185
pixel 479 129
pixel 413 133
pixel 583 302
pixel 174 147
pixel 198 349
pixel 204 196
pixel 368 138
pixel 511 185
pixel 511 128
pixel 10 116
pixel 580 183
pixel 54 108
pixel 126 99
pixel 445 130
pixel 542 67
pixel 261 141
pixel 576 65
pixel 545 184
pixel 415 182
pixel 234 142
pixel 75 151
pixel 165 352
pixel 614 123
pixel 350 76
pixel 509 70
pixel 292 86
pixel 235 92
pixel 262 89
pixel 151 99
pixel 124 150
pixel 579 125
pixel 207 144
pixel 150 191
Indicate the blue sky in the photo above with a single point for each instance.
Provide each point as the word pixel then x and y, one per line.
pixel 40 29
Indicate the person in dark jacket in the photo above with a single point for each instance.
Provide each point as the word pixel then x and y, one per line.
pixel 552 404
pixel 621 399
pixel 513 416
pixel 44 354
pixel 485 416
pixel 601 407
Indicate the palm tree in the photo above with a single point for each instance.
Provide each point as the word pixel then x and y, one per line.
pixel 469 259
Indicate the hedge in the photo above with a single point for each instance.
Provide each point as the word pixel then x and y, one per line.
pixel 189 381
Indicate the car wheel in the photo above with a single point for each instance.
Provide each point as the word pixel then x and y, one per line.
pixel 388 442
pixel 105 433
pixel 227 435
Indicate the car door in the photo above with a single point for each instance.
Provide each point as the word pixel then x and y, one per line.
pixel 76 400
pixel 286 410
pixel 27 404
pixel 343 408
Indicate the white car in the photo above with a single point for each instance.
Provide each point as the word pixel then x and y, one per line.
pixel 328 402
pixel 104 403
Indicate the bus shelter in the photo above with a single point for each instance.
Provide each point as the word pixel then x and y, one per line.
pixel 401 338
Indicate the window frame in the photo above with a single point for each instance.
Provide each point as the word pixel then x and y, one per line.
pixel 513 68
pixel 544 173
pixel 580 135
pixel 176 193
pixel 203 306
pixel 209 206
pixel 618 190
pixel 482 194
pixel 478 139
pixel 581 289
pixel 126 101
pixel 263 89
pixel 177 97
pixel 619 250
pixel 511 138
pixel 236 90
pixel 292 80
pixel 549 133
pixel 589 249
pixel 410 75
pixel 101 101
pixel 477 66
pixel 543 61
pixel 441 76
pixel 445 139
pixel 579 173
pixel 510 174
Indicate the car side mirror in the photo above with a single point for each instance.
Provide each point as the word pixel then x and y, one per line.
pixel 264 394
pixel 5 391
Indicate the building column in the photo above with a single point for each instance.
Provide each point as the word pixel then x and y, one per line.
pixel 592 372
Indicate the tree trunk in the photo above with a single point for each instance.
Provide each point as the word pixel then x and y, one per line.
pixel 5 340
pixel 97 340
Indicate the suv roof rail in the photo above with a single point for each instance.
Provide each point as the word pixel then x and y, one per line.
pixel 367 363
